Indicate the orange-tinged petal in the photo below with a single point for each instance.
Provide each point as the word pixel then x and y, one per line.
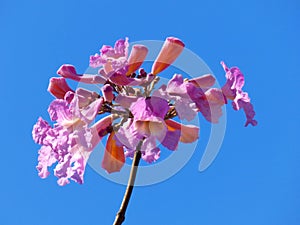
pixel 114 158
pixel 136 58
pixel 189 133
pixel 167 55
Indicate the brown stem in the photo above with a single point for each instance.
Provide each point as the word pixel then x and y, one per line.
pixel 120 217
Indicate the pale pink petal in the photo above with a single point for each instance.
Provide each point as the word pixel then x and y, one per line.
pixel 204 81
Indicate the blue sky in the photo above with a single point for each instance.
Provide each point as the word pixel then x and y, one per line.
pixel 255 178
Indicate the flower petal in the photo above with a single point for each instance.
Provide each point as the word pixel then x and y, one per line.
pixel 147 108
pixel 171 139
pixel 150 152
pixel 59 111
pixel 114 158
pixel 39 131
pixel 69 71
pixel 189 133
pixel 204 81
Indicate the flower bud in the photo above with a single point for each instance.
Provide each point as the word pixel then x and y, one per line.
pixel 136 58
pixel 169 52
pixel 58 87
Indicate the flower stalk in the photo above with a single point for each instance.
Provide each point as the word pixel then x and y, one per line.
pixel 120 217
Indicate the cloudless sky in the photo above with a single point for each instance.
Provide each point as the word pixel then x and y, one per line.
pixel 255 180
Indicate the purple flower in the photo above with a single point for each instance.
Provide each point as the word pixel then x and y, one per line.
pixel 233 91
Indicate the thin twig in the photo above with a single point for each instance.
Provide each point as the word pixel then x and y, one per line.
pixel 120 217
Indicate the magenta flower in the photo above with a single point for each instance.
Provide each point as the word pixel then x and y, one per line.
pixel 233 91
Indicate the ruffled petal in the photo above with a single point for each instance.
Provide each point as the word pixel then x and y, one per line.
pixel 39 131
pixel 59 111
pixel 150 152
pixel 46 159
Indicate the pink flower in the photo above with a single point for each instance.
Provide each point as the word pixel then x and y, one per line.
pixel 70 141
pixel 111 58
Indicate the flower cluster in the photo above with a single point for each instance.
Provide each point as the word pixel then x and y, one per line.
pixel 130 110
